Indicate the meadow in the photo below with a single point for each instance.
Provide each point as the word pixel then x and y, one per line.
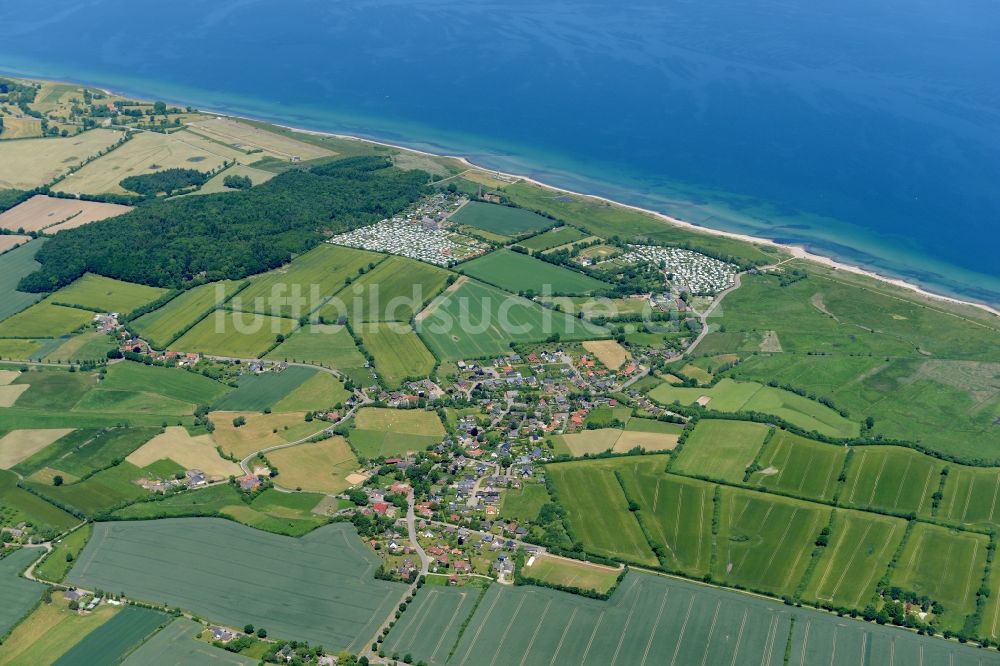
pixel 320 467
pixel 86 451
pixel 19 594
pixel 45 320
pixel 399 352
pixel 57 563
pixel 552 238
pixel 217 183
pixel 378 431
pixel 174 383
pixel 524 503
pixel 597 511
pixel 234 334
pixel 257 392
pixel 479 321
pixel 765 541
pixel 177 643
pixel 891 478
pixel 87 346
pixel 395 290
pixel 720 450
pixel 260 430
pixel 328 345
pixel 244 136
pixel 305 284
pixel 572 573
pixel 648 435
pixel 733 396
pixel 592 441
pixel 971 496
pixel 29 163
pixel 162 326
pixel 945 565
pixel 116 638
pixel 792 464
pixel 319 392
pixel 600 306
pixel 50 631
pixel 502 220
pixel 520 273
pixel 25 506
pixel 861 546
pixel 17 445
pixel 319 588
pixel 608 352
pixel 102 491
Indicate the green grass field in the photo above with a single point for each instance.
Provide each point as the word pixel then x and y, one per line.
pixel 676 513
pixel 597 510
pixel 572 573
pixel 479 321
pixel 305 284
pixel 518 273
pixel 891 478
pixel 799 466
pixel 731 396
pixel 101 293
pixel 234 334
pixel 552 238
pixel 97 493
pixel 45 320
pixel 87 450
pixel 319 392
pixel 386 432
pixel 861 545
pixel 55 566
pixel 27 507
pixel 502 220
pixel 524 503
pixel 971 496
pixel 328 345
pixel 765 541
pixel 945 565
pixel 90 345
pixel 319 588
pixel 113 640
pixel 19 594
pixel 14 265
pixel 177 643
pixel 175 383
pixel 161 326
pixel 720 449
pixel 395 290
pixel 258 392
pixel 399 352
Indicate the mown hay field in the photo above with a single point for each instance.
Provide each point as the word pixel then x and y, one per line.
pixel 26 164
pixel 891 478
pixel 765 541
pixel 55 214
pixel 399 352
pixel 106 294
pixel 386 432
pixel 328 345
pixel 732 396
pixel 502 220
pixel 721 449
pixel 17 445
pixel 593 441
pixel 799 466
pixel 11 241
pixel 258 432
pixel 246 137
pixel 87 346
pixel 189 452
pixel 315 466
pixel 572 573
pixel 395 290
pixel 858 554
pixel 518 272
pixel 608 352
pixel 319 588
pixel 162 326
pixel 233 334
pixel 50 631
pixel 552 238
pixel 479 321
pixel 147 152
pixel 597 510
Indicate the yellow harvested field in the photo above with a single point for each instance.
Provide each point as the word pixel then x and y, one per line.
pixel 10 394
pixel 591 441
pixel 17 445
pixel 20 128
pixel 28 163
pixel 608 352
pixel 10 241
pixel 7 376
pixel 146 153
pixel 258 432
pixel 52 214
pixel 247 137
pixel 189 452
pixel 321 467
pixel 650 441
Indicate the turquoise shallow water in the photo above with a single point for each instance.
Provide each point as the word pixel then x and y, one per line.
pixel 865 130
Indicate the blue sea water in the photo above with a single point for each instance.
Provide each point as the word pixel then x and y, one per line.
pixel 866 130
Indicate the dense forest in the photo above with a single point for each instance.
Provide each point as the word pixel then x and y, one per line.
pixel 170 243
pixel 167 181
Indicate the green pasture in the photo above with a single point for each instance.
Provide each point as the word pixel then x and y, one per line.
pixel 395 290
pixel 161 326
pixel 19 594
pixel 552 238
pixel 518 273
pixel 498 219
pixel 234 334
pixel 27 507
pixel 54 388
pixel 256 393
pixel 553 570
pixel 597 511
pixel 91 345
pixel 45 320
pixel 55 566
pixel 319 588
pixel 860 548
pixel 799 466
pixel 971 497
pixel 319 392
pixel 87 450
pixel 112 641
pixel 98 493
pixel 377 431
pixel 14 265
pixel 328 345
pixel 524 503
pixel 720 449
pixel 95 292
pixel 480 321
pixel 591 307
pixel 891 478
pixel 175 383
pixel 765 541
pixel 178 643
pixel 399 352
